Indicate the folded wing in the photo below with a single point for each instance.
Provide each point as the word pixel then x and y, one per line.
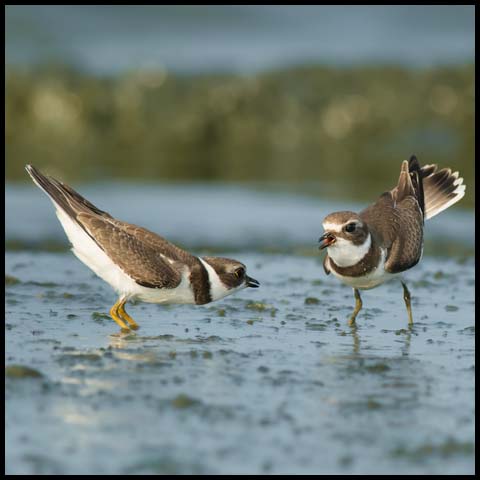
pixel 397 220
pixel 146 257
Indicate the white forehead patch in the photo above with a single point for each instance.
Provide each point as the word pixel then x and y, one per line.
pixel 345 254
pixel 332 227
pixel 337 227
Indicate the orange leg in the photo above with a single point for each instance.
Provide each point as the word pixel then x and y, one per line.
pixel 115 315
pixel 121 310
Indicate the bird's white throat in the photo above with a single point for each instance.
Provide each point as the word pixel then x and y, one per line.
pixel 345 254
pixel 218 289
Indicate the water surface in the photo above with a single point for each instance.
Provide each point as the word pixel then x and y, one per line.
pixel 217 215
pixel 270 380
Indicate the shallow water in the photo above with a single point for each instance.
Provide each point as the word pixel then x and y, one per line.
pixel 220 216
pixel 271 380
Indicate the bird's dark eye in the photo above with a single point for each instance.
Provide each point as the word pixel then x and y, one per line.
pixel 239 272
pixel 350 228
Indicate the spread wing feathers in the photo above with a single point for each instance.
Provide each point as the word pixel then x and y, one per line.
pixel 421 193
pixel 442 189
pixel 137 258
pixel 435 190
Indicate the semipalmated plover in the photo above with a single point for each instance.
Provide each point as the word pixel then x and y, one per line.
pixel 375 245
pixel 137 263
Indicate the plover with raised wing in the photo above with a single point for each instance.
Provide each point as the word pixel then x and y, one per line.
pixel 369 248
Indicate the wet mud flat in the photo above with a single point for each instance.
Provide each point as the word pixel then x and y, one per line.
pixel 271 380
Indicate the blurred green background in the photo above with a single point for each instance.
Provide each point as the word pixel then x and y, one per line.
pixel 344 121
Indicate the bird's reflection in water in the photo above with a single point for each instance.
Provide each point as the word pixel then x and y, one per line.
pixel 408 338
pixel 405 334
pixel 356 339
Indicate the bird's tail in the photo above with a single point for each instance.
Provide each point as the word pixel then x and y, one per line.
pixel 441 189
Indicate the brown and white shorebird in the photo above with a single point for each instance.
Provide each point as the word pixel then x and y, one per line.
pixel 137 263
pixel 367 249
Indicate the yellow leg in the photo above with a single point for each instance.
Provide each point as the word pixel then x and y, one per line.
pixel 114 314
pixel 406 297
pixel 121 310
pixel 358 307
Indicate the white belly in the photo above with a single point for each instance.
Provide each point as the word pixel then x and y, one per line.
pixel 371 280
pixel 183 293
pixel 97 260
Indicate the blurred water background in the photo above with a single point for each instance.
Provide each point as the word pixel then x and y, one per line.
pixel 234 130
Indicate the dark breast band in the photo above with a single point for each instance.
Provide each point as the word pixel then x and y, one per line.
pixel 366 265
pixel 200 282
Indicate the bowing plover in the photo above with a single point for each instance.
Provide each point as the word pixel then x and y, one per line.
pixel 138 263
pixel 375 245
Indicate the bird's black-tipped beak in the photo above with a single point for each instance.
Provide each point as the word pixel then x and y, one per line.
pixel 326 240
pixel 251 282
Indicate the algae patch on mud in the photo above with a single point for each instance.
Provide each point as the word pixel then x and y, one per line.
pixel 450 447
pixel 21 371
pixel 184 401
